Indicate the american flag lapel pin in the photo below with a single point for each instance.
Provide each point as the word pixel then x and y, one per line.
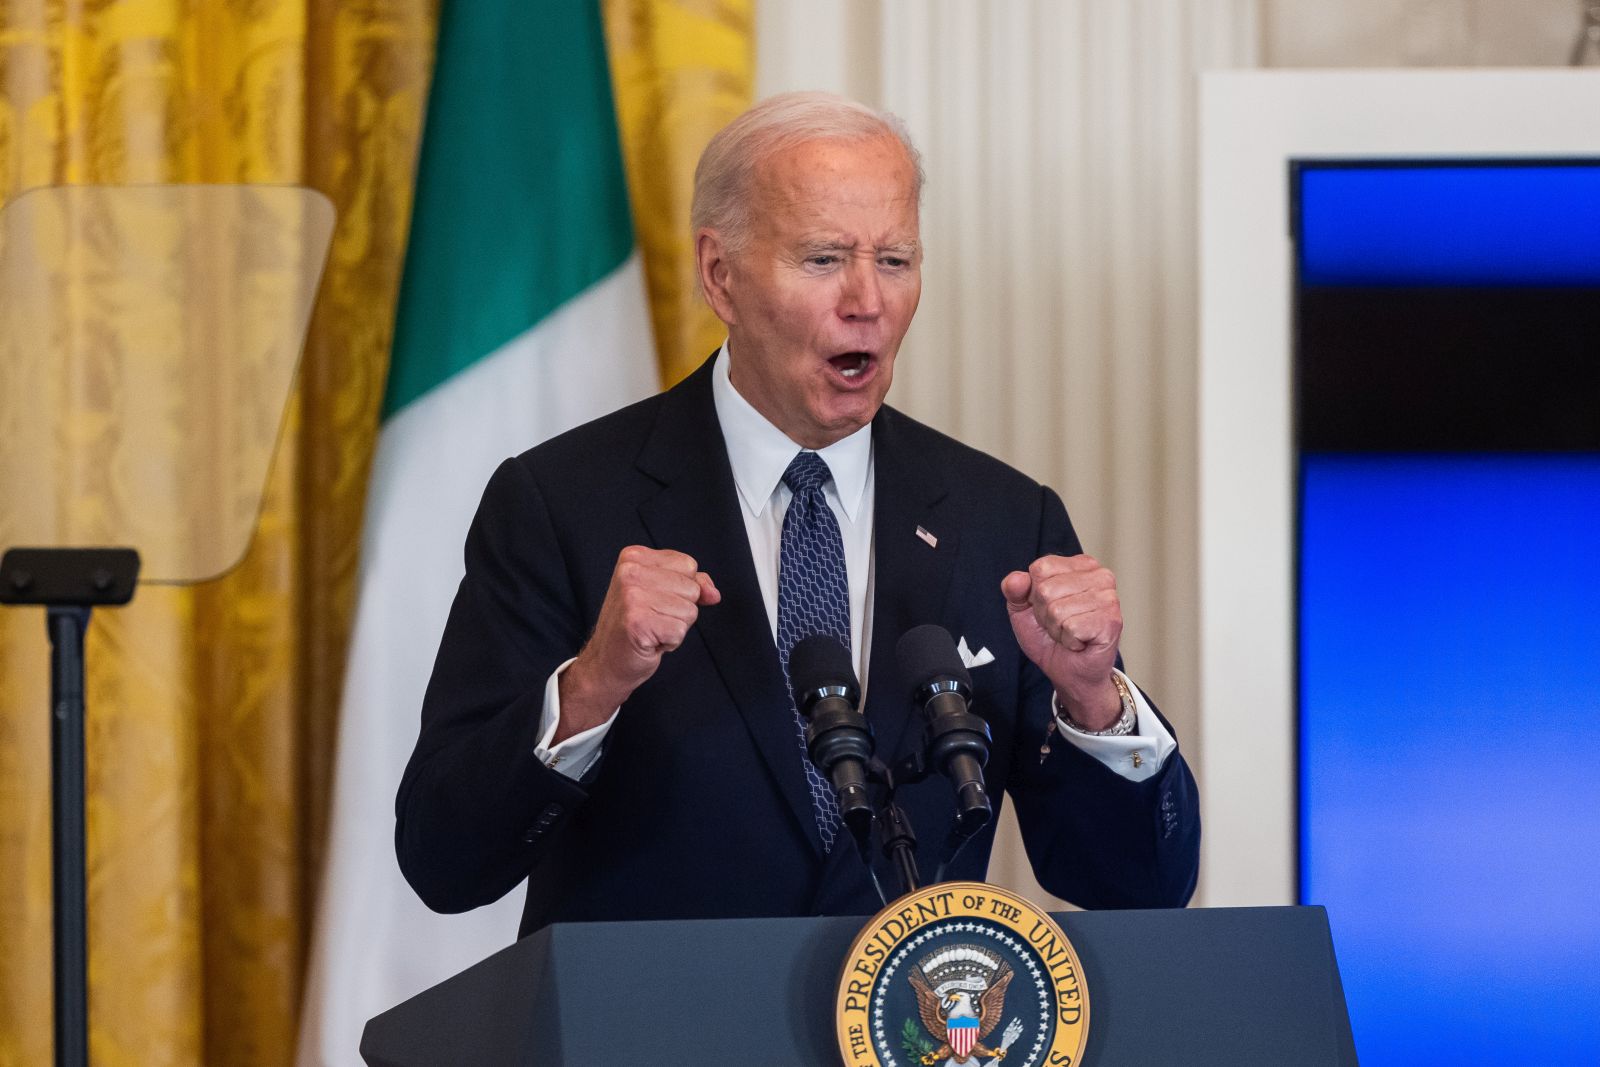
pixel 933 542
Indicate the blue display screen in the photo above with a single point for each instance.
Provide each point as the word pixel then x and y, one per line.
pixel 1450 751
pixel 1447 347
pixel 1450 225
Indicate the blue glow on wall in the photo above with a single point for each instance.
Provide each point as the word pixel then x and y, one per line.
pixel 1450 751
pixel 1450 225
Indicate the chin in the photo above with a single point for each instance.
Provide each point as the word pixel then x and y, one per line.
pixel 840 424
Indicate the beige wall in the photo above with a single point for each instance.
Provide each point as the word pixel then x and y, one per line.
pixel 1418 33
pixel 1058 324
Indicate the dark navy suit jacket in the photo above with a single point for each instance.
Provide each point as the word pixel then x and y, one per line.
pixel 698 807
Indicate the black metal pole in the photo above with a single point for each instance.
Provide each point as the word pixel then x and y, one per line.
pixel 67 582
pixel 66 626
pixel 900 845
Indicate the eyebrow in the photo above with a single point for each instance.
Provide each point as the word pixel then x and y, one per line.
pixel 823 244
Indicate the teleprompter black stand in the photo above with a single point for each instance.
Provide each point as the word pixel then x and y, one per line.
pixel 68 583
pixel 1223 987
pixel 149 336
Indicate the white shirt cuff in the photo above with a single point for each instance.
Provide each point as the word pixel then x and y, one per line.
pixel 574 756
pixel 1135 756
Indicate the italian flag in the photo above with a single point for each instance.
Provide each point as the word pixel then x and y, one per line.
pixel 522 313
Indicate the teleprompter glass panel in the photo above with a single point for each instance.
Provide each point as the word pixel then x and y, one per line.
pixel 151 335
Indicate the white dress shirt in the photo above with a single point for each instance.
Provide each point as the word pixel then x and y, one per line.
pixel 759 453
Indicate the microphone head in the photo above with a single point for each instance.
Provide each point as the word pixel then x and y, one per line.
pixel 820 662
pixel 927 653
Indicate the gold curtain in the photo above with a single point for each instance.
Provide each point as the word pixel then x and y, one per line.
pixel 212 709
pixel 682 70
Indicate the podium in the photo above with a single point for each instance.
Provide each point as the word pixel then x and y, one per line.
pixel 1241 987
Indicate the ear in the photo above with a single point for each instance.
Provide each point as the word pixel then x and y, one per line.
pixel 714 267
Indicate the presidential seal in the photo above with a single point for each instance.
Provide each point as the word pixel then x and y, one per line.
pixel 962 974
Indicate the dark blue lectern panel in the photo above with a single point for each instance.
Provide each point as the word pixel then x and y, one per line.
pixel 1448 399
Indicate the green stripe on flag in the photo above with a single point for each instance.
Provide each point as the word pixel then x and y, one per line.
pixel 521 199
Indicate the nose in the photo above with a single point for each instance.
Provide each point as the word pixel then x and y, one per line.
pixel 861 293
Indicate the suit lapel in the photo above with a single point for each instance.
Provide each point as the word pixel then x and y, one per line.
pixel 697 511
pixel 911 582
pixel 912 573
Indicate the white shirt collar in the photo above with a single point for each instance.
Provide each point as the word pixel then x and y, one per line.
pixel 759 452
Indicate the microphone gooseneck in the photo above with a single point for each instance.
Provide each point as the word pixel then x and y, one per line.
pixel 838 737
pixel 957 740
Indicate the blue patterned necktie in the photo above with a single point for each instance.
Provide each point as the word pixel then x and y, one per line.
pixel 813 598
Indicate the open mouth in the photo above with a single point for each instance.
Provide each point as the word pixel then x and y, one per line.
pixel 851 364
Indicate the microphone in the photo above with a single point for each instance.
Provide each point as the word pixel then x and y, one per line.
pixel 957 740
pixel 838 736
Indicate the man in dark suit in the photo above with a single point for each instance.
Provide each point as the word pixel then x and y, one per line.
pixel 609 713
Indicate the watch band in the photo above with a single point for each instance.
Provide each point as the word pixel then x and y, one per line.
pixel 1125 722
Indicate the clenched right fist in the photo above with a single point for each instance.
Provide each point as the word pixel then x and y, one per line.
pixel 654 597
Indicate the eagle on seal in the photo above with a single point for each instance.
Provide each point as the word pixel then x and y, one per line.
pixel 937 1010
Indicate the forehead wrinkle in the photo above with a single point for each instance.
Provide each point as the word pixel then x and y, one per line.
pixel 794 194
pixel 817 181
pixel 815 193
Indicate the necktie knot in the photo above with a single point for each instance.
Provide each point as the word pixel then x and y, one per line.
pixel 807 471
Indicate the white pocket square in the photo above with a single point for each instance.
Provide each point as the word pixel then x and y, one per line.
pixel 970 659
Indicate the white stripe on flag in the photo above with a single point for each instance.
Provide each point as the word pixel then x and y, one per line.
pixel 376 943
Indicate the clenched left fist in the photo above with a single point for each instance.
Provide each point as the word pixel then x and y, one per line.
pixel 1065 613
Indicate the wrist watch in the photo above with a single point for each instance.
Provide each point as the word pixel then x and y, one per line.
pixel 1125 722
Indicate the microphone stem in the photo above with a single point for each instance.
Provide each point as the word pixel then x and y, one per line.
pixel 877 885
pixel 953 847
pixel 908 868
pixel 900 845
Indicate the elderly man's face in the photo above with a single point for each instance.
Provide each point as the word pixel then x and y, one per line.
pixel 818 301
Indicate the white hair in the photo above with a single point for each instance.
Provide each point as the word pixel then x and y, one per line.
pixel 722 179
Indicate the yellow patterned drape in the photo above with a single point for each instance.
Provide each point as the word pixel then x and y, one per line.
pixel 682 69
pixel 211 709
